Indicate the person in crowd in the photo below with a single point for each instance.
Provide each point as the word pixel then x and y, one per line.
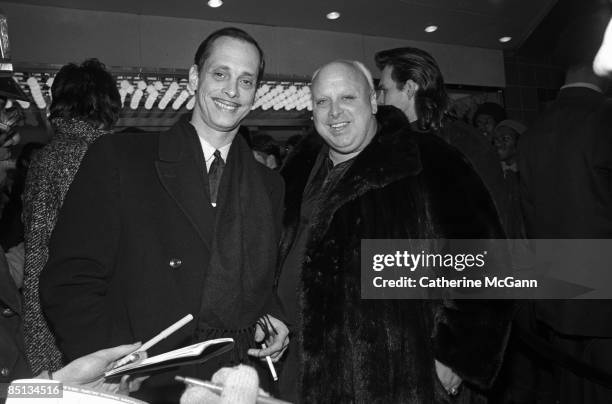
pixel 289 145
pixel 155 227
pixel 505 140
pixel 487 116
pixel 516 383
pixel 266 150
pixel 12 170
pixel 85 106
pixel 412 81
pixel 565 163
pixel 11 224
pixel 366 175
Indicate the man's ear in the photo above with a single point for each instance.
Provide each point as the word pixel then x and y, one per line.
pixel 410 88
pixel 373 102
pixel 194 77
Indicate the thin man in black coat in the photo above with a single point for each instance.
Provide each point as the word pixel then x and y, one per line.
pixel 158 226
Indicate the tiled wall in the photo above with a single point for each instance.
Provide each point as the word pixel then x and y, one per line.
pixel 531 83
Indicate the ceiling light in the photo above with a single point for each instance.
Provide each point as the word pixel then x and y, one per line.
pixel 215 3
pixel 334 15
pixel 505 39
pixel 431 28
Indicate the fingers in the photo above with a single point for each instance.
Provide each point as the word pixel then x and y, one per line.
pixel 275 350
pixel 124 385
pixel 278 355
pixel 260 353
pixel 118 352
pixel 259 334
pixel 134 384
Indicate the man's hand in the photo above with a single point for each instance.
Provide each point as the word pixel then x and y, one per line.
pixel 88 371
pixel 448 378
pixel 277 341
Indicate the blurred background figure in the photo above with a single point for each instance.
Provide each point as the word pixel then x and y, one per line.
pixel 11 225
pixel 487 116
pixel 565 160
pixel 505 140
pixel 85 106
pixel 10 118
pixel 290 144
pixel 412 82
pixel 266 151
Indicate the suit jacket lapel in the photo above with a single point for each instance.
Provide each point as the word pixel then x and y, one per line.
pixel 182 175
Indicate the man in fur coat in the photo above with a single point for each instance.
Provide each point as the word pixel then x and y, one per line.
pixel 367 176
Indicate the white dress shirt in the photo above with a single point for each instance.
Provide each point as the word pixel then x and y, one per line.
pixel 209 151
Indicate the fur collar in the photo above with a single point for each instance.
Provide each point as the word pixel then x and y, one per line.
pixel 392 154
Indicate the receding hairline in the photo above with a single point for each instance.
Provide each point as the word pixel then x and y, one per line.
pixel 351 64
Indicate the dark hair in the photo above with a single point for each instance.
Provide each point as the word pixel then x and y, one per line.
pixel 496 111
pixel 419 66
pixel 266 144
pixel 205 47
pixel 87 92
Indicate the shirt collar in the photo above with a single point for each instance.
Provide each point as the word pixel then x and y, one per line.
pixel 509 167
pixel 582 84
pixel 209 150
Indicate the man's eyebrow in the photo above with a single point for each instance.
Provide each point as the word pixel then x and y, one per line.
pixel 227 69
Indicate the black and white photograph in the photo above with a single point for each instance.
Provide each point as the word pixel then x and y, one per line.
pixel 323 201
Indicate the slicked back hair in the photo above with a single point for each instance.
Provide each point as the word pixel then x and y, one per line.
pixel 205 48
pixel 419 66
pixel 86 92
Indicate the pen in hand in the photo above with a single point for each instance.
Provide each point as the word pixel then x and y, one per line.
pixel 137 354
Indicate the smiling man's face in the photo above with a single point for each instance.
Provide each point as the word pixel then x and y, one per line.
pixel 225 85
pixel 343 110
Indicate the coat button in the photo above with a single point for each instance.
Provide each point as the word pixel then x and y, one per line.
pixel 7 312
pixel 4 372
pixel 175 263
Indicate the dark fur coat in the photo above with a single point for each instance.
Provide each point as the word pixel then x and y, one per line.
pixel 402 185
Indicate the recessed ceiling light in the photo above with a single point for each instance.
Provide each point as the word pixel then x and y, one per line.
pixel 215 3
pixel 431 28
pixel 505 39
pixel 334 15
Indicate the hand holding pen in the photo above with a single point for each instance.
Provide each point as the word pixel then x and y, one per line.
pixel 140 353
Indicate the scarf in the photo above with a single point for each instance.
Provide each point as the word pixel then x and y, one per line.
pixel 243 256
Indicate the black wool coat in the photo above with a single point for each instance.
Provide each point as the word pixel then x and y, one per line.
pixel 131 249
pixel 402 185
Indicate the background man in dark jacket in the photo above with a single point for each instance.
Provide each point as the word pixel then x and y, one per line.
pixel 158 226
pixel 368 176
pixel 412 82
pixel 565 161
